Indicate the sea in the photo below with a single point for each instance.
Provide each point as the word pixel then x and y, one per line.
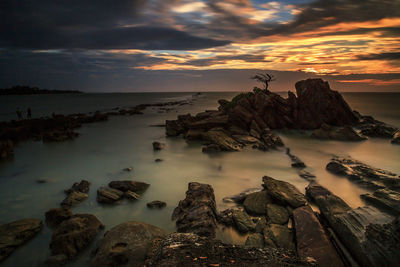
pixel 104 149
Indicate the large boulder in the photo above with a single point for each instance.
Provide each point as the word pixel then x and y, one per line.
pixel 127 244
pixel 128 185
pixel 14 234
pixel 317 104
pixel 191 250
pixel 311 239
pixel 197 213
pixel 363 174
pixel 256 203
pixel 283 192
pixel 73 235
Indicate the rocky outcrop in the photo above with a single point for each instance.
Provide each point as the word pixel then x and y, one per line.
pixel 361 230
pixel 222 140
pixel 14 234
pixel 156 204
pixel 346 133
pixel 6 149
pixel 197 212
pixel 283 192
pixel 385 199
pixel 55 216
pixel 189 249
pixel 311 239
pixel 363 174
pixel 72 236
pixel 127 244
pixel 76 194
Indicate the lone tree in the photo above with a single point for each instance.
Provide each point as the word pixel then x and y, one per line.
pixel 264 79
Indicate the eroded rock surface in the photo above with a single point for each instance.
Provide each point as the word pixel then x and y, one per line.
pixel 283 192
pixel 385 199
pixel 197 212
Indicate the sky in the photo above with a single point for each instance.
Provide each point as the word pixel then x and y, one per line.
pixel 200 45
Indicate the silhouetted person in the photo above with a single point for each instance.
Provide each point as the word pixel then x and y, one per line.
pixel 19 113
pixel 29 113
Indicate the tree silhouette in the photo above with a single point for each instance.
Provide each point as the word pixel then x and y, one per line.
pixel 264 79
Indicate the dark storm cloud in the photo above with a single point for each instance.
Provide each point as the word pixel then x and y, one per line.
pixel 381 56
pixel 89 24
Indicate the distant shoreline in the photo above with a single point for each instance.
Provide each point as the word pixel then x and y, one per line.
pixel 26 90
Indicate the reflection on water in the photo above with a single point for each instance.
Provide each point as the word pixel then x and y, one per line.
pixel 104 149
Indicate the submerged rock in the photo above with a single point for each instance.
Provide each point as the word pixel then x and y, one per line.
pixel 283 192
pixel 156 204
pixel 73 235
pixel 127 244
pixel 192 250
pixel 306 175
pixel 296 162
pixel 197 213
pixel 363 174
pixel 14 234
pixel 385 199
pixel 312 240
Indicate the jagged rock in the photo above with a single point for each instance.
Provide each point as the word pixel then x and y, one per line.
pixel 385 199
pixel 256 203
pixel 74 235
pixel 277 214
pixel 55 216
pixel 396 138
pixel 351 226
pixel 197 212
pixel 224 141
pixel 156 204
pixel 209 120
pixel 158 146
pixel 134 186
pixel 239 198
pixel 346 133
pixel 283 192
pixel 255 241
pixel 74 198
pixel 243 221
pixel 108 195
pixel 312 240
pixel 14 234
pixel 279 236
pixel 191 250
pixel 6 149
pixel 363 174
pixel 127 244
pixel 381 130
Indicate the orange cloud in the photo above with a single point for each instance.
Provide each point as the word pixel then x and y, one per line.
pixel 372 81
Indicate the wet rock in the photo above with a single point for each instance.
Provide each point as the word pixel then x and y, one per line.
pixel 131 195
pixel 296 162
pixel 363 174
pixel 346 133
pixel 211 148
pixel 351 226
pixel 197 212
pixel 279 236
pixel 385 199
pixel 277 214
pixel 128 169
pixel 224 141
pixel 396 138
pixel 209 120
pixel 173 128
pixel 225 217
pixel 192 250
pixel 55 216
pixel 256 203
pixel 261 224
pixel 195 134
pixel 243 221
pixel 283 192
pixel 14 234
pixel 247 139
pixel 381 130
pixel 158 160
pixel 312 240
pixel 306 175
pixel 239 198
pixel 74 198
pixel 6 149
pixel 82 186
pixel 126 244
pixel 158 146
pixel 125 185
pixel 108 195
pixel 255 241
pixel 74 235
pixel 156 204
